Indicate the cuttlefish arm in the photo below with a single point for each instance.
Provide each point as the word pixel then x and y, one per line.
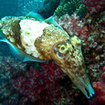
pixel 68 56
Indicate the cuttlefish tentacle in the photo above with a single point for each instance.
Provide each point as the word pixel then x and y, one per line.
pixel 32 40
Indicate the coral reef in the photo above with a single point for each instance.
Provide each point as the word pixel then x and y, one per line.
pixel 39 87
pixel 73 26
pixel 94 6
pixel 10 68
pixel 70 7
pixel 99 88
pixel 96 44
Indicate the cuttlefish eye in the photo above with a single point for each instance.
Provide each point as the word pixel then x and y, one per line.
pixel 61 50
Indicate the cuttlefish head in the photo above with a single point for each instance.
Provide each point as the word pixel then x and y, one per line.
pixel 68 56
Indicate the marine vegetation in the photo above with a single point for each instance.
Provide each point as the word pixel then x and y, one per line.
pixel 70 7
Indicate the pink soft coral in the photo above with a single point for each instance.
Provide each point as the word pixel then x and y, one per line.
pixel 99 88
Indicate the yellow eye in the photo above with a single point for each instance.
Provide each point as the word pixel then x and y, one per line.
pixel 62 49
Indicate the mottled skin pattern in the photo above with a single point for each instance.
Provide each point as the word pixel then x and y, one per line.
pixel 51 35
pixel 68 56
pixel 11 29
pixel 54 44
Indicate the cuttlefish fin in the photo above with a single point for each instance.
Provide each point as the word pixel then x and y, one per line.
pixel 35 15
pixel 2 35
pixel 38 17
pixel 19 54
pixel 51 20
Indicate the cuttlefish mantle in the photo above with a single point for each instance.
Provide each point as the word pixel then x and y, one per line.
pixel 30 39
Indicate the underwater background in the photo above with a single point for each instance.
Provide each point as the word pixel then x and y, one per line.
pixel 35 83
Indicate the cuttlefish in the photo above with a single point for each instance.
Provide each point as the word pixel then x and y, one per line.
pixel 31 38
